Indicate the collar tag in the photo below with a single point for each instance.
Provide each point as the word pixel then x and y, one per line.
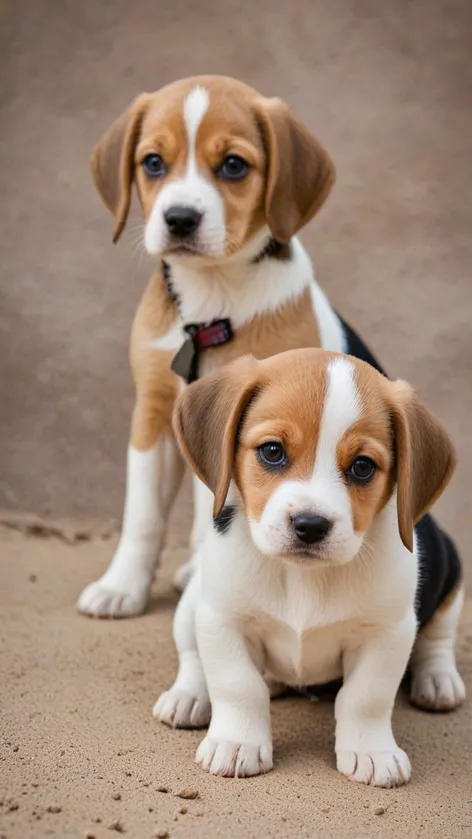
pixel 201 336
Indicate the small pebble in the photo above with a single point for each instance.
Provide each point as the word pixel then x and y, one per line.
pixel 13 807
pixel 150 809
pixel 97 820
pixel 116 796
pixel 162 789
pixel 183 811
pixel 15 748
pixel 89 835
pixel 188 794
pixel 200 814
pixel 379 811
pixel 54 808
pixel 325 809
pixel 116 825
pixel 162 834
pixel 32 578
pixel 128 774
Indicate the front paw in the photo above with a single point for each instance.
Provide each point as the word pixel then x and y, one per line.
pixel 377 768
pixel 104 599
pixel 234 760
pixel 180 709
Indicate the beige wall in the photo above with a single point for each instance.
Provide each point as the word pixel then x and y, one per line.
pixel 386 86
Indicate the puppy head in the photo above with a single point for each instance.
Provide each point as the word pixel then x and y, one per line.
pixel 316 443
pixel 213 162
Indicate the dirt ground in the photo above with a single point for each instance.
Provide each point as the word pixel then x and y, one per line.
pixel 76 698
pixel 387 87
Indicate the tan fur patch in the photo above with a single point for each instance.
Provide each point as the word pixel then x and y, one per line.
pixel 155 383
pixel 293 326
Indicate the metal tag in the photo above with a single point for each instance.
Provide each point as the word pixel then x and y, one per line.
pixel 184 362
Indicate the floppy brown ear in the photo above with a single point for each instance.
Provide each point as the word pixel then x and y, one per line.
pixel 425 459
pixel 112 162
pixel 206 420
pixel 300 171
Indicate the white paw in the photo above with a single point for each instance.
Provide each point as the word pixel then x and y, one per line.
pixel 379 769
pixel 437 687
pixel 234 760
pixel 104 600
pixel 184 573
pixel 180 709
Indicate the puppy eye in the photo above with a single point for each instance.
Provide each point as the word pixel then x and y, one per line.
pixel 233 168
pixel 272 454
pixel 362 470
pixel 154 166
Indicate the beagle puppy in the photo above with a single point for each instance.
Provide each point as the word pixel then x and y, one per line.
pixel 315 568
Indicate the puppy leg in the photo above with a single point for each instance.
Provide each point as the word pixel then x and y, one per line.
pixel 186 704
pixel 436 684
pixel 152 480
pixel 366 750
pixel 202 517
pixel 239 741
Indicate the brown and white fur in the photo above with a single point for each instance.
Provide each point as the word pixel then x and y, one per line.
pixel 223 269
pixel 314 569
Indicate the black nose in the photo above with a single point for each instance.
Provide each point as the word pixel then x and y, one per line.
pixel 182 221
pixel 310 528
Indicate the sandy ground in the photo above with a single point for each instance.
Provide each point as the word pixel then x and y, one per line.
pixel 77 731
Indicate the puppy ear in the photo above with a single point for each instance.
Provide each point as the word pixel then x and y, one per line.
pixel 206 420
pixel 300 171
pixel 425 459
pixel 112 162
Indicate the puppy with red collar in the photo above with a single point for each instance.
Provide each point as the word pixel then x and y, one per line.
pixel 315 568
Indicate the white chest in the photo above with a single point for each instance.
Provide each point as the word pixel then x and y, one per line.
pixel 302 658
pixel 301 638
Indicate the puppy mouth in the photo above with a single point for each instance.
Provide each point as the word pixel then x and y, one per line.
pixel 184 247
pixel 305 553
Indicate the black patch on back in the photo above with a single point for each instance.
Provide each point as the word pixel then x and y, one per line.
pixel 439 568
pixel 353 345
pixel 222 522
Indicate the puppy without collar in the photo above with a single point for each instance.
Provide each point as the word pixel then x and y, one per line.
pixel 314 569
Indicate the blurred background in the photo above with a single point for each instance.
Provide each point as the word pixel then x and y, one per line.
pixel 387 87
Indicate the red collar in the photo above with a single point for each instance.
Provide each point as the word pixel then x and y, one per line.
pixel 202 336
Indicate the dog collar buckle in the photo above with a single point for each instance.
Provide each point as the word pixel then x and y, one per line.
pixel 201 336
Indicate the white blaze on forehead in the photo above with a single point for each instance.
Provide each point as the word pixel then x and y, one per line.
pixel 195 108
pixel 325 492
pixel 192 189
pixel 342 409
